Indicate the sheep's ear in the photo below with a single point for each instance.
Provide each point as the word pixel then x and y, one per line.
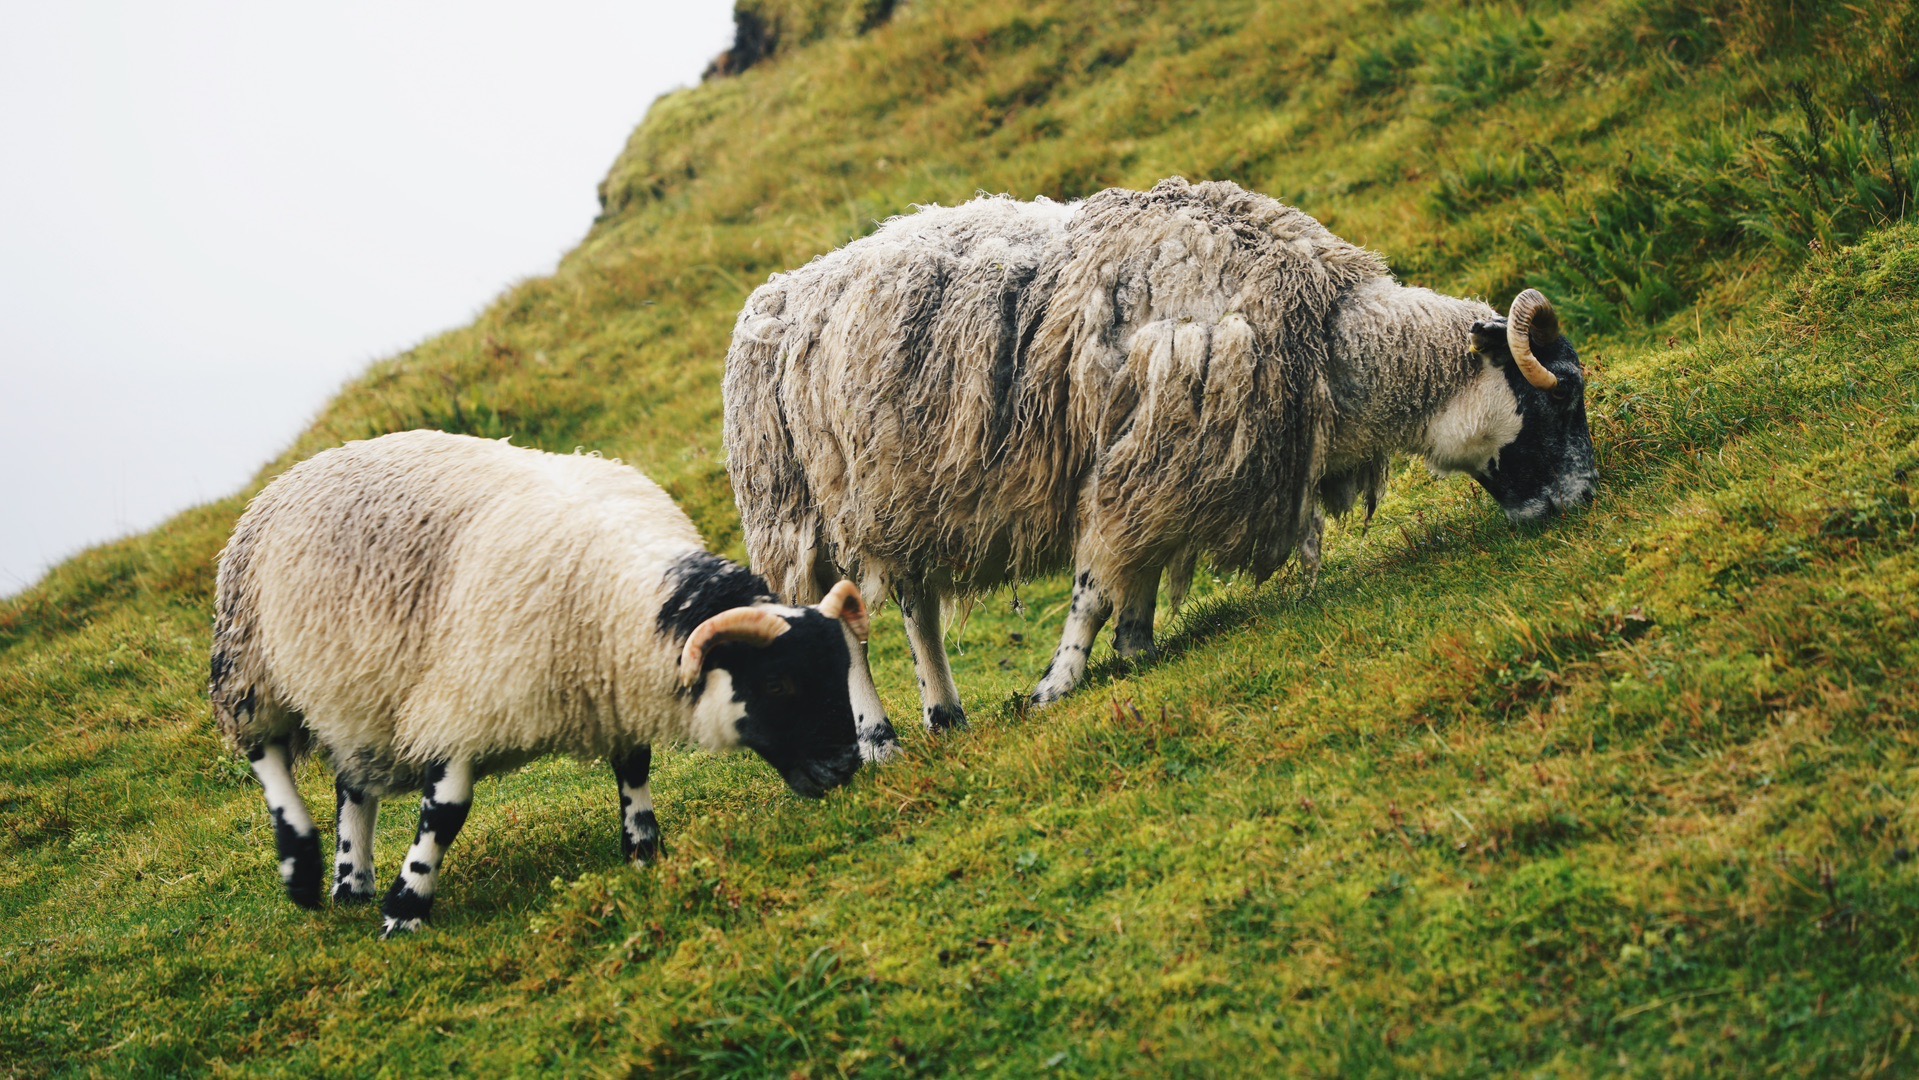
pixel 1489 339
pixel 1490 336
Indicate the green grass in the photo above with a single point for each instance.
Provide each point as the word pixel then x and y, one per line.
pixel 1631 793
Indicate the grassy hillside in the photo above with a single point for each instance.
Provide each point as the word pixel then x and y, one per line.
pixel 1634 792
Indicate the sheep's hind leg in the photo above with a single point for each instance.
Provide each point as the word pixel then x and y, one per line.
pixel 353 856
pixel 295 837
pixel 1092 603
pixel 639 829
pixel 443 809
pixel 940 695
pixel 1179 578
pixel 1133 630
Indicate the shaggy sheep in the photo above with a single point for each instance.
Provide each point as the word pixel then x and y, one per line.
pixel 977 394
pixel 428 609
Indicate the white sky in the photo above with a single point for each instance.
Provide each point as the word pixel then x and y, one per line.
pixel 213 214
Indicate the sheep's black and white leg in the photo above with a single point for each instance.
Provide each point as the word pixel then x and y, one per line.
pixel 353 854
pixel 878 741
pixel 295 837
pixel 449 795
pixel 639 829
pixel 1092 603
pixel 938 693
pixel 1133 628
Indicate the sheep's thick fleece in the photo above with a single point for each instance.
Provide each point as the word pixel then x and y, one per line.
pixel 427 597
pixel 962 396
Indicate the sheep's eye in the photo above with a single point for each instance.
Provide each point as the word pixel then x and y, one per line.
pixel 782 687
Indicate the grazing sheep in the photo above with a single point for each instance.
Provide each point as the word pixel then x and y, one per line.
pixel 428 609
pixel 978 394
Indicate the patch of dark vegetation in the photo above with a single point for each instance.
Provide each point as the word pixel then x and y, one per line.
pixel 754 39
pixel 1005 102
pixel 1484 177
pixel 1689 34
pixel 1384 68
pixel 1492 54
pixel 765 28
pixel 1664 224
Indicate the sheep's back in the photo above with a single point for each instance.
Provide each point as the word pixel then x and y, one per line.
pixel 423 595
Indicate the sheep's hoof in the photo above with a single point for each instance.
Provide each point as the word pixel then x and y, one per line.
pixel 1046 695
pixel 640 839
pixel 300 870
pixel 345 896
pixel 878 743
pixel 400 926
pixel 945 718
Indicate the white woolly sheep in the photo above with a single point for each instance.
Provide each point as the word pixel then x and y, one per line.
pixel 428 609
pixel 977 394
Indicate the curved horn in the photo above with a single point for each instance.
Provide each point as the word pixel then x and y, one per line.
pixel 1519 326
pixel 845 604
pixel 750 626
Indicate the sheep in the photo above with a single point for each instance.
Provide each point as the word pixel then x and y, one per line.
pixel 428 609
pixel 978 394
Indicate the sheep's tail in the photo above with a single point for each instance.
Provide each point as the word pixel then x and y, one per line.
pixel 770 486
pixel 244 708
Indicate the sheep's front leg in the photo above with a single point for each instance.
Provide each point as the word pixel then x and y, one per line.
pixel 878 741
pixel 449 795
pixel 1133 630
pixel 1092 603
pixel 353 856
pixel 639 829
pixel 295 838
pixel 938 693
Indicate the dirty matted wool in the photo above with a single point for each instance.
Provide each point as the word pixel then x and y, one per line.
pixel 971 393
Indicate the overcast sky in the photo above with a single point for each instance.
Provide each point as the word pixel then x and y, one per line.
pixel 213 214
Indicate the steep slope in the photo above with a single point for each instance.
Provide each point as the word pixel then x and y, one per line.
pixel 1635 791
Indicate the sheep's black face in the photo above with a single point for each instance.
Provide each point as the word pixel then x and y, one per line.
pixel 1550 466
pixel 799 708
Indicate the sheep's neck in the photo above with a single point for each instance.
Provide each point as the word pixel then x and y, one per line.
pixel 1398 355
